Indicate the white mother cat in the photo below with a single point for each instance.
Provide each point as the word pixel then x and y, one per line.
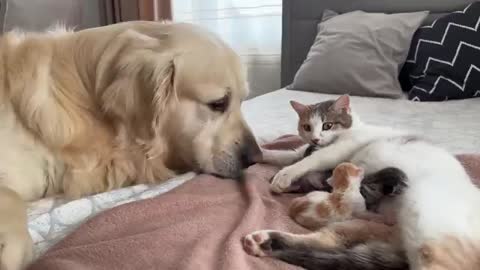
pixel 440 202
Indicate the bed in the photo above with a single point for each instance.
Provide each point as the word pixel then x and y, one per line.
pixel 452 124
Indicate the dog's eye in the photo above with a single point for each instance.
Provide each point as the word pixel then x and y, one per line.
pixel 220 105
pixel 327 126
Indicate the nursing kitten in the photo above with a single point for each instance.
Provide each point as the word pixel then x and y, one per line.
pixel 318 208
pixel 379 187
pixel 439 200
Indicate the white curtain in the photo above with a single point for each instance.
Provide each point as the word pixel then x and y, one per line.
pixel 251 27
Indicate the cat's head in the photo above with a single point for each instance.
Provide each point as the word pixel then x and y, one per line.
pixel 346 175
pixel 321 123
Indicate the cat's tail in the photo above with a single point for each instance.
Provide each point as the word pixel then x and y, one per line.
pixel 370 256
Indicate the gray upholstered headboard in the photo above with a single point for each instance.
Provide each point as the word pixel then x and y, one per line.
pixel 300 19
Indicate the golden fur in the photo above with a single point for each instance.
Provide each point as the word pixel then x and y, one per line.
pixel 102 108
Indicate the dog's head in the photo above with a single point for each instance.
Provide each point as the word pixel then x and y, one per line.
pixel 180 88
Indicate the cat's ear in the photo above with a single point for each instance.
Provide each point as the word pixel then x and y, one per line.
pixel 298 107
pixel 342 104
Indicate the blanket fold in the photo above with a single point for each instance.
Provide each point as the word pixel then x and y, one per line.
pixel 198 225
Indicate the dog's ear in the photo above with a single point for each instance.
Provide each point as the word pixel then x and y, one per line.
pixel 136 81
pixel 164 92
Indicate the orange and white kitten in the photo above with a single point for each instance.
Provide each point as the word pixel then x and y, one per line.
pixel 318 208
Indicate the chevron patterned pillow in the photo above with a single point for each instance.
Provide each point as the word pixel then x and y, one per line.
pixel 444 59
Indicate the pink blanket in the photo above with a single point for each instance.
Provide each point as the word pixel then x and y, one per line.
pixel 195 226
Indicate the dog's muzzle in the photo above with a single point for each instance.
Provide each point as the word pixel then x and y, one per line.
pixel 232 165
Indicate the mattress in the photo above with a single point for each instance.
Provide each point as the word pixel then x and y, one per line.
pixel 453 124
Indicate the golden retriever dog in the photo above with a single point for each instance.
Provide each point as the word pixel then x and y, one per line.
pixel 90 111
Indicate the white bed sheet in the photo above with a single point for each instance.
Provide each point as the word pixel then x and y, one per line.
pixel 454 125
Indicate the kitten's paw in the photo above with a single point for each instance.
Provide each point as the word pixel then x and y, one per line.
pixel 283 180
pixel 257 243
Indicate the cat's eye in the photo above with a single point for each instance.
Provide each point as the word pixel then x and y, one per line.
pixel 327 126
pixel 307 127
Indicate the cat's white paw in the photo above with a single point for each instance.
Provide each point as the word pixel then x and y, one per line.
pixel 252 243
pixel 283 180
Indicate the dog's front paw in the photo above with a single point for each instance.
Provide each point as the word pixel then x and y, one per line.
pixel 16 250
pixel 257 243
pixel 283 180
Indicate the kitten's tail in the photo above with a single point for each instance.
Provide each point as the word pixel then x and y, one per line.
pixel 370 256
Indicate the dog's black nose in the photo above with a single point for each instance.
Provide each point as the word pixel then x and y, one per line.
pixel 248 160
pixel 250 153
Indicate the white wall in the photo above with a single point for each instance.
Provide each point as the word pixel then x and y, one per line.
pixel 90 13
pixel 251 27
